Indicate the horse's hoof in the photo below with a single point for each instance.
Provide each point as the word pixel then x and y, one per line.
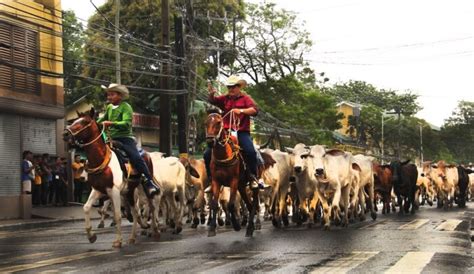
pixel 220 221
pixel 373 215
pixel 117 244
pixel 177 230
pixel 249 233
pixel 131 241
pixel 194 225
pixel 211 233
pixel 101 225
pixel 92 238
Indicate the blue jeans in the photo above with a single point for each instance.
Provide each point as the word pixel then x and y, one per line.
pixel 130 147
pixel 250 155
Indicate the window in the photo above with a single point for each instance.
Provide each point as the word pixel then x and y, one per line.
pixel 19 47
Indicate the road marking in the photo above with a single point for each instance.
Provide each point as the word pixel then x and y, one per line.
pixel 412 262
pixel 373 224
pixel 449 225
pixel 25 257
pixel 415 224
pixel 346 263
pixel 49 262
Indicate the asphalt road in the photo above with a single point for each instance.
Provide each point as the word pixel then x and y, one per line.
pixel 431 241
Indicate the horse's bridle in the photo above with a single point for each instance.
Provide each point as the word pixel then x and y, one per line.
pixel 73 135
pixel 234 122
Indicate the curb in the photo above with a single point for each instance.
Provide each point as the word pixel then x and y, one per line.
pixel 37 224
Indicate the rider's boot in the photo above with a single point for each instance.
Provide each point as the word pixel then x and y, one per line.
pixel 152 188
pixel 256 183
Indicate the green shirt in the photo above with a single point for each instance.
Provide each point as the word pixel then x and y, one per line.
pixel 122 118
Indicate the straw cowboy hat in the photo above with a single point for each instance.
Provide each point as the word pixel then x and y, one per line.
pixel 117 88
pixel 236 80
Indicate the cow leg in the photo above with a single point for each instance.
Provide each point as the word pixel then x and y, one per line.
pixel 353 202
pixel 362 204
pixel 326 211
pixel 155 211
pixel 87 214
pixel 346 191
pixel 114 195
pixel 373 214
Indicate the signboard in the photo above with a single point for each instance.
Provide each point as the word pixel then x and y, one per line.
pixel 146 121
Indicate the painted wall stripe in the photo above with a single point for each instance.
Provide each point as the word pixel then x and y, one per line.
pixel 346 263
pixel 412 262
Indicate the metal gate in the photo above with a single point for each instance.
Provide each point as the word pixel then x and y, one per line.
pixel 10 155
pixel 39 135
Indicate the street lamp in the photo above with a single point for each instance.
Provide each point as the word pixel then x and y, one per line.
pixel 421 143
pixel 218 41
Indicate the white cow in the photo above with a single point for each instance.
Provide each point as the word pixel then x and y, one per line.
pixel 366 184
pixel 277 177
pixel 333 170
pixel 305 183
pixel 171 175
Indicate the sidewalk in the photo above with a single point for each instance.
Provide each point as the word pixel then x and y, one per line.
pixel 47 216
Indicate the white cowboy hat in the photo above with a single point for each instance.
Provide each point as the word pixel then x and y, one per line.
pixel 117 88
pixel 236 80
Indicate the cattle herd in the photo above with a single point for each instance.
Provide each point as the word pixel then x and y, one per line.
pixel 310 184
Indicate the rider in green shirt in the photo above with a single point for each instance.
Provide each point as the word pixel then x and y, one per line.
pixel 118 118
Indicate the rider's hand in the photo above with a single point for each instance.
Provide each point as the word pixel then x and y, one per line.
pixel 107 124
pixel 237 111
pixel 210 88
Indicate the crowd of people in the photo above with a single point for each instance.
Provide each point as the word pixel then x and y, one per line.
pixel 45 178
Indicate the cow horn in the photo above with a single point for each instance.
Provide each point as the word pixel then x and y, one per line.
pixel 289 150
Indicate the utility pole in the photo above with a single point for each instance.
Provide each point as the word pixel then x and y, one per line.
pixel 421 144
pixel 118 77
pixel 182 98
pixel 381 145
pixel 165 102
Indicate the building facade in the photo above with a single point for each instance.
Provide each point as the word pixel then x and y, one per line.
pixel 31 93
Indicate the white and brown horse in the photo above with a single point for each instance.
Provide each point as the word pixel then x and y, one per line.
pixel 104 175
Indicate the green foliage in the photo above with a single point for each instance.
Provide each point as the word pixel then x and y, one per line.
pixel 458 132
pixel 73 54
pixel 271 44
pixel 287 99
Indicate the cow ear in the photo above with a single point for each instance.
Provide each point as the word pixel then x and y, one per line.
pixel 193 171
pixel 289 150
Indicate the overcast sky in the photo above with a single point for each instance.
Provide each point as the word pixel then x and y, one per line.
pixel 425 46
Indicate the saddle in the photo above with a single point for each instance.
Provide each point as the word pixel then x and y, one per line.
pixel 124 159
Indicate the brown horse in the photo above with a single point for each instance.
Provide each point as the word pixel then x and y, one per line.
pixel 104 175
pixel 227 170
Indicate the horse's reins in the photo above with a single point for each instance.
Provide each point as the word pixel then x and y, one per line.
pixel 234 123
pixel 73 134
pixel 108 152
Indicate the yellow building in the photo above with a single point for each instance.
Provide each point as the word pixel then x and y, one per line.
pixel 31 92
pixel 348 109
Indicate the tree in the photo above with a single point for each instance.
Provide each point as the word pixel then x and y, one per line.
pixel 271 44
pixel 458 132
pixel 308 110
pixel 73 54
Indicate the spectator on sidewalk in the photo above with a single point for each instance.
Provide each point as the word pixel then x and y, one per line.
pixel 59 182
pixel 46 179
pixel 27 172
pixel 77 168
pixel 37 182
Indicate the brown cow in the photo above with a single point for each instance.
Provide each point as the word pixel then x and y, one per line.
pixel 383 185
